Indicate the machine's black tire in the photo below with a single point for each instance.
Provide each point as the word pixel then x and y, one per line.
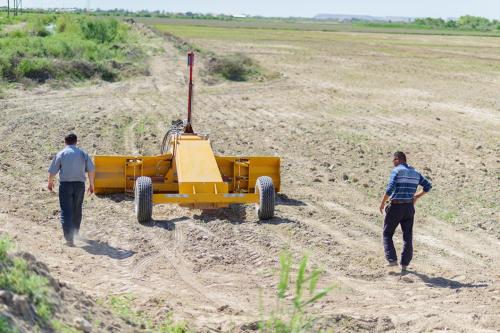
pixel 143 199
pixel 265 188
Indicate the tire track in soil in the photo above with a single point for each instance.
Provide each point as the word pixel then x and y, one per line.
pixel 163 248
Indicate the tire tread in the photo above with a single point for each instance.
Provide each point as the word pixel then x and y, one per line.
pixel 144 199
pixel 265 187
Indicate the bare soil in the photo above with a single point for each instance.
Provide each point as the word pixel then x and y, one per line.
pixel 345 103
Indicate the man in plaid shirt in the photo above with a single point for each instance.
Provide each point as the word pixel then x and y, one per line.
pixel 400 193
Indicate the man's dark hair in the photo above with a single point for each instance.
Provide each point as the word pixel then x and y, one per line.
pixel 400 156
pixel 70 139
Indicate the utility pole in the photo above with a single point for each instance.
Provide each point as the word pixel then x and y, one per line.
pixel 17 6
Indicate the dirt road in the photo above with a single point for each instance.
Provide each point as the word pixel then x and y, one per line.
pixel 334 118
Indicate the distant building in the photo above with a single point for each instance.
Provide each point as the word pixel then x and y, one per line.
pixel 240 15
pixel 366 18
pixel 64 10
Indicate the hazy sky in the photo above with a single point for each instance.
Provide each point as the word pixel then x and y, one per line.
pixel 308 8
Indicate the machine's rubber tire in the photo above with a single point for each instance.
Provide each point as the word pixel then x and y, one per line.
pixel 143 201
pixel 265 188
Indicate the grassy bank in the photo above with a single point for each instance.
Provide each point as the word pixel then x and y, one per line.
pixel 18 279
pixel 67 47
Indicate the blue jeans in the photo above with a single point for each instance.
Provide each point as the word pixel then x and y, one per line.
pixel 71 200
pixel 399 214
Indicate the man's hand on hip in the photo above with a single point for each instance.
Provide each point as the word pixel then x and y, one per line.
pixel 418 196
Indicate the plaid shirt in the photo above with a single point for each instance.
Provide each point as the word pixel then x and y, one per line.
pixel 404 181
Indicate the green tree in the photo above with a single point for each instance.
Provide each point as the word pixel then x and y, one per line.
pixel 474 22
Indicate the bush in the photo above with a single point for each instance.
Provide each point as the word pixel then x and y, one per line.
pixel 38 27
pixel 102 31
pixel 59 48
pixel 81 48
pixel 66 23
pixel 6 69
pixel 107 73
pixel 80 69
pixel 39 70
pixel 237 67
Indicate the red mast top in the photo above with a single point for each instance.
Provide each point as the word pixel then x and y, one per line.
pixel 189 128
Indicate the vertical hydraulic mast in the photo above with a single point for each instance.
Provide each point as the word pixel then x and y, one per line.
pixel 189 128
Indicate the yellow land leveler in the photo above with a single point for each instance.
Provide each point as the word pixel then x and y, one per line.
pixel 188 173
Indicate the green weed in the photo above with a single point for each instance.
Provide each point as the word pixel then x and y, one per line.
pixel 5 246
pixel 5 326
pixel 122 306
pixel 140 128
pixel 294 317
pixel 447 215
pixel 60 327
pixel 17 278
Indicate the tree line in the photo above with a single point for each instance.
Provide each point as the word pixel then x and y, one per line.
pixel 466 22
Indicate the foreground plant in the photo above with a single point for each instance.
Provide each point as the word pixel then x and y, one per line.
pixel 293 317
pixel 16 277
pixel 122 306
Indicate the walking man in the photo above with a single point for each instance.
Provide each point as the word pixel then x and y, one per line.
pixel 400 193
pixel 71 163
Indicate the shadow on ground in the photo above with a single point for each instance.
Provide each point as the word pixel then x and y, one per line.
pixel 441 282
pixel 278 220
pixel 168 225
pixel 104 249
pixel 236 214
pixel 284 200
pixel 117 197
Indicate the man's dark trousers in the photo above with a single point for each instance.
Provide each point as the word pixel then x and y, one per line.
pixel 399 214
pixel 71 200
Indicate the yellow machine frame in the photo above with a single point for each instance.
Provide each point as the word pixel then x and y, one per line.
pixel 190 174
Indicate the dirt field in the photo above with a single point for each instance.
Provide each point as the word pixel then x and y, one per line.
pixel 343 104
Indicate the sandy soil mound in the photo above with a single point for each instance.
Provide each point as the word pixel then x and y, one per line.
pixel 72 308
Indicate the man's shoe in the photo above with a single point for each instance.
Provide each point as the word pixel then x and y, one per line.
pixel 404 268
pixel 391 263
pixel 70 243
